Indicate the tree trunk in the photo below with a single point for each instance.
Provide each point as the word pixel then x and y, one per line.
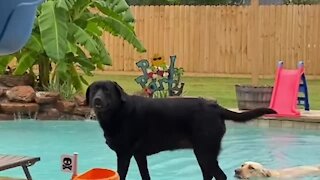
pixel 44 72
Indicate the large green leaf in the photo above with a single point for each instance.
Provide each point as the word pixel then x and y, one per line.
pixel 85 39
pixel 66 4
pixel 83 80
pixel 80 7
pixel 25 62
pixel 118 27
pixel 85 64
pixel 100 66
pixel 93 28
pixel 104 55
pixel 4 61
pixel 76 81
pixel 119 21
pixel 62 70
pixel 72 48
pixel 34 43
pixel 120 6
pixel 126 16
pixel 54 30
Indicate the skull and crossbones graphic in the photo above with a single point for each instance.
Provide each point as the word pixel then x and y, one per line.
pixel 67 163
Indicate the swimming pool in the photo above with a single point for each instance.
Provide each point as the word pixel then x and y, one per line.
pixel 276 148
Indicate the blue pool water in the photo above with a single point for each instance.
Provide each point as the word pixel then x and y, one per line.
pixel 275 148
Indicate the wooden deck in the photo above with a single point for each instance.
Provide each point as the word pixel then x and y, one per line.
pixel 8 178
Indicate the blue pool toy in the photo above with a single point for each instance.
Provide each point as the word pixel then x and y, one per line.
pixel 16 20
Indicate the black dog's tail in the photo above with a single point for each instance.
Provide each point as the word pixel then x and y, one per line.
pixel 247 115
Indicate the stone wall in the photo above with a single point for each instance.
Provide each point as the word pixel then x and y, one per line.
pixel 22 102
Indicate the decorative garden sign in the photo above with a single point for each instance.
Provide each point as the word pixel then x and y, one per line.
pixel 159 77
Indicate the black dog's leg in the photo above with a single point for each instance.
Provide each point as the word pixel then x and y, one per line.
pixel 218 173
pixel 209 165
pixel 143 166
pixel 123 161
pixel 207 146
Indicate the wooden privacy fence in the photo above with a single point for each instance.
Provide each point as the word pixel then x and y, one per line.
pixel 215 39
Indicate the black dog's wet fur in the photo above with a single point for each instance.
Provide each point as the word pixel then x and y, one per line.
pixel 136 126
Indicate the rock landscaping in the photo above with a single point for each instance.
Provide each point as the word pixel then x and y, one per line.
pixel 20 102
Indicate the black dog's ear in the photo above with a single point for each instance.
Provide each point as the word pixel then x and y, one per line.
pixel 88 96
pixel 123 95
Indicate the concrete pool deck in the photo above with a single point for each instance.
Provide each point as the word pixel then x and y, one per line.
pixel 307 120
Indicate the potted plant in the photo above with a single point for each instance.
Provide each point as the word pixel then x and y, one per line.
pixel 253 96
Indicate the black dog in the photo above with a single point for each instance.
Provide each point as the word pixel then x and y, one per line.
pixel 138 126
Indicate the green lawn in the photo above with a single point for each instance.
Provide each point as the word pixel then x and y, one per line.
pixel 221 89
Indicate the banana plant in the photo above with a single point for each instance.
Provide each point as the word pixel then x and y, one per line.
pixel 67 36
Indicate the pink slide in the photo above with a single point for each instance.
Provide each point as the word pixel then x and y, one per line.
pixel 285 91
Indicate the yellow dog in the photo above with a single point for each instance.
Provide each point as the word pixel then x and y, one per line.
pixel 253 169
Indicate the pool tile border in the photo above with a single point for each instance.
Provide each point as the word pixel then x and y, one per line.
pixel 287 123
pixel 309 120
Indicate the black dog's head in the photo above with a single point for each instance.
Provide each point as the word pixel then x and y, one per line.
pixel 105 96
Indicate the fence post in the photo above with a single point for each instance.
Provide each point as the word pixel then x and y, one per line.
pixel 254 44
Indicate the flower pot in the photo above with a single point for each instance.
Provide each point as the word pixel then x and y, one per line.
pixel 250 97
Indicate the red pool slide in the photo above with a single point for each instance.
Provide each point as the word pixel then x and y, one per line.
pixel 285 91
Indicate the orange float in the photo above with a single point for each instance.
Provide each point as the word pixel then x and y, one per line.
pixel 69 163
pixel 98 174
